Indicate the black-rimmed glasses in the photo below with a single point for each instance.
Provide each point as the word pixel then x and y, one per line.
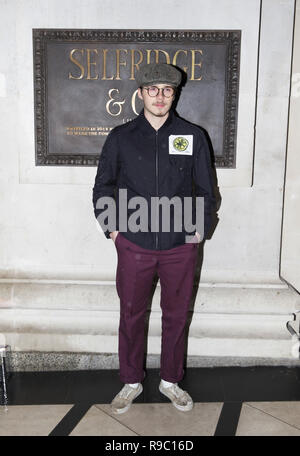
pixel 153 91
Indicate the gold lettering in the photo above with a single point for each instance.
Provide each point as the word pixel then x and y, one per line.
pixel 157 51
pixel 89 63
pixel 133 64
pixel 174 61
pixel 194 64
pixel 133 101
pixel 119 62
pixel 114 103
pixel 72 58
pixel 148 55
pixel 105 78
pixel 119 57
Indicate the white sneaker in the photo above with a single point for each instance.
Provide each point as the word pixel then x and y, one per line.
pixel 122 401
pixel 180 399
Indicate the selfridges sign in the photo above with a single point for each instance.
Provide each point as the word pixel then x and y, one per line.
pixel 85 85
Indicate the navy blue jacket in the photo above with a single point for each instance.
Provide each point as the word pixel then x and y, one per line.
pixel 137 158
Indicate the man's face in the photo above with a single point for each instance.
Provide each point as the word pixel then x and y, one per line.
pixel 159 105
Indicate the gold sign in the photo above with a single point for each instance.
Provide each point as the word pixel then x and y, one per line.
pixel 92 63
pixel 85 85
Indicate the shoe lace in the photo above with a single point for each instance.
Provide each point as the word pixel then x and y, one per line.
pixel 178 392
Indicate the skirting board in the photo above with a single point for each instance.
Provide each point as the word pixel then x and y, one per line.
pixel 47 361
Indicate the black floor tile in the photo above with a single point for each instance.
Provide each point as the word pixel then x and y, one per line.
pixel 150 385
pixel 229 418
pixel 98 387
pixel 37 388
pixel 261 383
pixel 221 384
pixel 203 384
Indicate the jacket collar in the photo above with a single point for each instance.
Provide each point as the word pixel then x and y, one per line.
pixel 145 126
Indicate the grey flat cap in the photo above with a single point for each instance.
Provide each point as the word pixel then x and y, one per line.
pixel 158 73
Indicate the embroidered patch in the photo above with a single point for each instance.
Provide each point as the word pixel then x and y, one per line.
pixel 181 144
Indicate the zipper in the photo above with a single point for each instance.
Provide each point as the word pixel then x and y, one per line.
pixel 156 177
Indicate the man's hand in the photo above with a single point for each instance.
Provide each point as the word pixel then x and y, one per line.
pixel 113 235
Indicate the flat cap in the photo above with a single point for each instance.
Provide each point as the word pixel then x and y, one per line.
pixel 158 73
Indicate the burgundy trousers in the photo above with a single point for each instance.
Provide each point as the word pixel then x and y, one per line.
pixel 135 272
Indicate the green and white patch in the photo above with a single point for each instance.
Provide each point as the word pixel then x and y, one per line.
pixel 181 144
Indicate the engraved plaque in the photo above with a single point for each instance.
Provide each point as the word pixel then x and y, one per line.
pixel 84 83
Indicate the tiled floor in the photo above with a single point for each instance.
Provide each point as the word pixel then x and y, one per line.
pixel 249 401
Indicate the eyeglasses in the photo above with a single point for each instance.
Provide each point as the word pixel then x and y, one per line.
pixel 153 91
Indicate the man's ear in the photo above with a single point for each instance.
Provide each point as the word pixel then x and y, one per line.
pixel 140 93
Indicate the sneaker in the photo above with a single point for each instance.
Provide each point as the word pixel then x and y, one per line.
pixel 180 399
pixel 122 401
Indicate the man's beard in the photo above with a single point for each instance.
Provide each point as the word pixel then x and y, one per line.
pixel 160 114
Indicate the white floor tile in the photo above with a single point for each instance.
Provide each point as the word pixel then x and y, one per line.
pixel 97 423
pixel 31 420
pixel 165 419
pixel 254 422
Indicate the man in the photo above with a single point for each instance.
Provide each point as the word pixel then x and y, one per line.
pixel 153 156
